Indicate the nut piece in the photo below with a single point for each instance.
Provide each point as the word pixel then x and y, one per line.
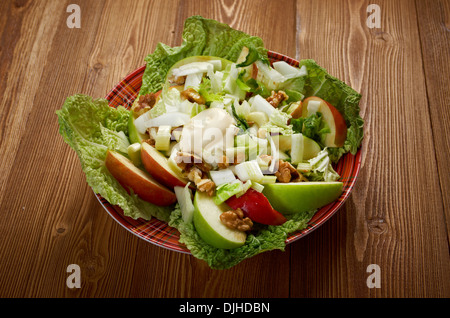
pixel 206 185
pixel 197 173
pixel 234 219
pixel 193 96
pixel 144 104
pixel 275 99
pixel 286 172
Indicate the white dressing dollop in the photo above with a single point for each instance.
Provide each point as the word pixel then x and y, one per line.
pixel 208 134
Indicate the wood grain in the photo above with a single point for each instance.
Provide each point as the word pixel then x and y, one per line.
pixel 398 213
pixel 436 67
pixel 394 216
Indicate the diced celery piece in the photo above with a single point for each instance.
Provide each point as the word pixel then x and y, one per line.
pixel 304 167
pixel 184 198
pixel 193 81
pixel 259 104
pixel 162 140
pixel 227 190
pixel 289 71
pixel 313 107
pixel 197 108
pixel 269 76
pixel 257 186
pixel 249 170
pixel 296 148
pixel 258 117
pixel 264 162
pixel 268 179
pixel 245 186
pixel 222 176
pixel 134 152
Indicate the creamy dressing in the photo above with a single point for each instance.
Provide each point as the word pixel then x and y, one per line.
pixel 208 134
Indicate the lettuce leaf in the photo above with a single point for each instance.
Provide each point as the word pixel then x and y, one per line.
pixel 321 84
pixel 200 37
pixel 91 127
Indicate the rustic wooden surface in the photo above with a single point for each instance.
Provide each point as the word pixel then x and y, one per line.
pixel 398 215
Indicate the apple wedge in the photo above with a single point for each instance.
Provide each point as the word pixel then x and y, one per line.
pixel 157 165
pixel 257 207
pixel 137 181
pixel 208 225
pixel 332 117
pixel 295 197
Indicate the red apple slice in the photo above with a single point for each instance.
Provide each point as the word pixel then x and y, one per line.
pixel 256 206
pixel 333 118
pixel 142 184
pixel 157 165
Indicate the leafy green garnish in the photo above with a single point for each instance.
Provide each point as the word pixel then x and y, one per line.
pixel 241 122
pixel 205 90
pixel 312 126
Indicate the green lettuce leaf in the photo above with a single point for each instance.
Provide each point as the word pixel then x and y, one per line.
pixel 200 37
pixel 91 127
pixel 266 238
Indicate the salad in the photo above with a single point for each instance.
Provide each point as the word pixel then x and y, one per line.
pixel 233 151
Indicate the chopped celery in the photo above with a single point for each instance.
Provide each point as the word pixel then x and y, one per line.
pixel 197 108
pixel 269 76
pixel 264 162
pixel 268 179
pixel 226 191
pixel 257 186
pixel 296 148
pixel 162 140
pixel 289 71
pixel 193 81
pixel 222 176
pixel 245 186
pixel 259 104
pixel 304 167
pixel 134 152
pixel 249 170
pixel 259 118
pixel 184 198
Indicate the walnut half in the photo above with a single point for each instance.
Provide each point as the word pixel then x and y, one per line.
pixel 234 219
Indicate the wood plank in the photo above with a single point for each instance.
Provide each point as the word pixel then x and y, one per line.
pixel 434 30
pixel 394 215
pixel 78 230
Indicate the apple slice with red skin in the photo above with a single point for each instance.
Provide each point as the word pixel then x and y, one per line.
pixel 256 206
pixel 334 120
pixel 141 183
pixel 157 165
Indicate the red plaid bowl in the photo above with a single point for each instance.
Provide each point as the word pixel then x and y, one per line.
pixel 160 233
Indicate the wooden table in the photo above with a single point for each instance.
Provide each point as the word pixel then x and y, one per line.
pixel 398 215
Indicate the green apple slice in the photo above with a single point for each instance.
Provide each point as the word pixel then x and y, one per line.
pixel 133 134
pixel 208 225
pixel 310 147
pixel 293 197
